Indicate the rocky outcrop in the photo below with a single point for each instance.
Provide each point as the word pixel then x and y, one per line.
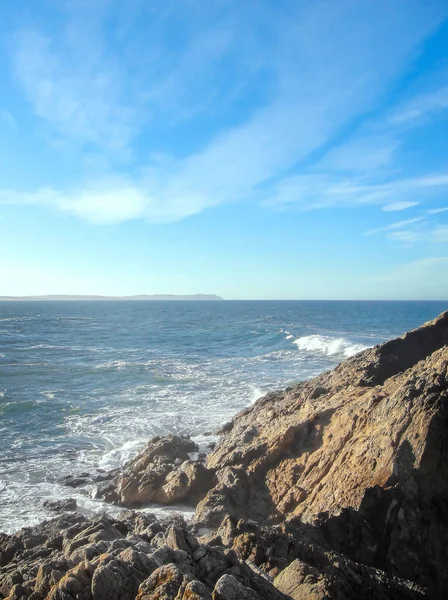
pixel 163 472
pixel 302 566
pixel 320 445
pixel 358 454
pixel 135 556
pixel 336 488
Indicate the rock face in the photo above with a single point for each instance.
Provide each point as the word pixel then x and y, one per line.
pixel 163 472
pixel 334 489
pixel 359 454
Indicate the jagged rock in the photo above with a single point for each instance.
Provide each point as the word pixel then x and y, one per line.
pixel 68 504
pixel 119 578
pixel 166 583
pixel 229 588
pixel 163 472
pixel 76 583
pixel 51 572
pixel 75 481
pixel 362 458
pixel 106 559
pixel 99 529
pixel 335 488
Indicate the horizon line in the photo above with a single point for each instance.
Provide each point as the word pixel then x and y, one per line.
pixel 194 297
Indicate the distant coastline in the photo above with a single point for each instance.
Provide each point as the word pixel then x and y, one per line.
pixel 141 297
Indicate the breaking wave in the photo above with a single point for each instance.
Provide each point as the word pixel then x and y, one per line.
pixel 328 345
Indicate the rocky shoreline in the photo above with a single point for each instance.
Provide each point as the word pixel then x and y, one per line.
pixel 336 488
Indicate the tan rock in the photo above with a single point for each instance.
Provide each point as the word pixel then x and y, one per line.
pixel 162 473
pixel 370 437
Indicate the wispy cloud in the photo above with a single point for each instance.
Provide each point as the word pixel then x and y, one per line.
pixel 422 105
pixel 435 211
pixel 318 191
pixel 366 152
pixel 77 90
pixel 324 71
pixel 394 226
pixel 396 206
pixel 414 231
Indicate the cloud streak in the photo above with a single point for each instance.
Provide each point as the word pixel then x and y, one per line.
pixel 323 69
pixel 396 206
pixel 394 226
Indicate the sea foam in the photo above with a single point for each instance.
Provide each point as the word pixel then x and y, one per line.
pixel 328 345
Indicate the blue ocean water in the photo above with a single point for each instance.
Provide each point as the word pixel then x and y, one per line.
pixel 83 385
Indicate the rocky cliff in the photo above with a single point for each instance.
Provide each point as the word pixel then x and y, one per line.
pixel 335 488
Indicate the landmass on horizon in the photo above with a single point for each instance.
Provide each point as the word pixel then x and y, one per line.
pixel 61 297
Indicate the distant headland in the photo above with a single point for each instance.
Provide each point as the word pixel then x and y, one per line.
pixel 141 297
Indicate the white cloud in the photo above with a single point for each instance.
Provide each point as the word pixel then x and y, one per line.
pixel 326 71
pixel 363 153
pixel 318 191
pixel 393 226
pixel 426 232
pixel 78 91
pixel 435 211
pixel 421 105
pixel 396 206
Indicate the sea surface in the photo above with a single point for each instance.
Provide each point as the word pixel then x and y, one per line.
pixel 84 385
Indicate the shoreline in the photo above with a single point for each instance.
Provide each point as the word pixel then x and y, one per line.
pixel 319 490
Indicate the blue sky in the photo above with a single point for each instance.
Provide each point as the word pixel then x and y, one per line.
pixel 259 149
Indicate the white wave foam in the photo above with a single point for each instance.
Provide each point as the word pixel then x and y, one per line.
pixel 118 456
pixel 120 364
pixel 328 345
pixel 257 393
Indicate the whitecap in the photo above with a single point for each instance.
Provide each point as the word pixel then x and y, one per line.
pixel 328 345
pixel 115 364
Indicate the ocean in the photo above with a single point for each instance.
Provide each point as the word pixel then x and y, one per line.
pixel 84 385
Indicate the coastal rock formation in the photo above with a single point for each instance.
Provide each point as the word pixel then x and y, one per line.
pixel 358 455
pixel 336 488
pixel 163 472
pixel 136 556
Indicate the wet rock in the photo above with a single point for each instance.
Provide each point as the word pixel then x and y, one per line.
pixel 75 481
pixel 163 472
pixel 68 504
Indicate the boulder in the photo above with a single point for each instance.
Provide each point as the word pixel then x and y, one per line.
pixel 68 504
pixel 162 473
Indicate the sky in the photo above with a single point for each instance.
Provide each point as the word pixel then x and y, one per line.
pixel 254 150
